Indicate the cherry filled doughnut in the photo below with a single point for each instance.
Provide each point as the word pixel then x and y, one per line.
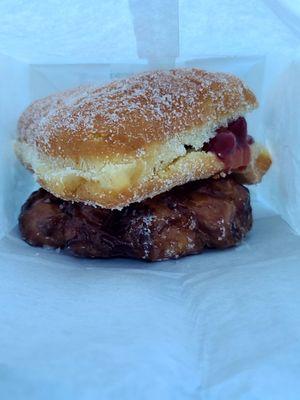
pixel 134 138
pixel 148 167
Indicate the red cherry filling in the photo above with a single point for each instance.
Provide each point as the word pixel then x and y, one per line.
pixel 232 144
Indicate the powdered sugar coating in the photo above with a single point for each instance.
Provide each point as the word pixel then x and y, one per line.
pixel 125 116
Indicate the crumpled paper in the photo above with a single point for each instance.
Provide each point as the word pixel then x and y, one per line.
pixel 78 31
pixel 218 325
pixel 221 325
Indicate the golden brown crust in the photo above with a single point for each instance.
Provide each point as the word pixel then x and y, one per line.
pixel 124 117
pixel 131 139
pixel 121 185
pixel 260 163
pixel 117 185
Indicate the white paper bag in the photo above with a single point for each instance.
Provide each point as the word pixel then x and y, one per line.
pixel 221 325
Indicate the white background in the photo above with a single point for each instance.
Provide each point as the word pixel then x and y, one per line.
pixel 222 325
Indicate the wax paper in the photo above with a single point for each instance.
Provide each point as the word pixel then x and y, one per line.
pixel 221 325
